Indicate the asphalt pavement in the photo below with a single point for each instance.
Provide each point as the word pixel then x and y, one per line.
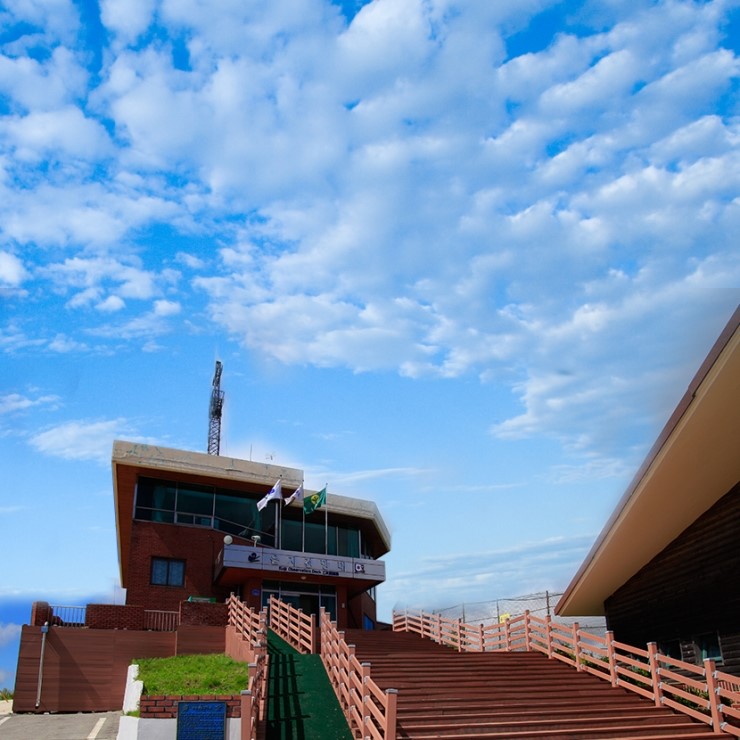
pixel 87 726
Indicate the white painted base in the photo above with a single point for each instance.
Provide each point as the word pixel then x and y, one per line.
pixel 137 728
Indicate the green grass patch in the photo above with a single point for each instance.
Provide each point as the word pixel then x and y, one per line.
pixel 193 674
pixel 6 695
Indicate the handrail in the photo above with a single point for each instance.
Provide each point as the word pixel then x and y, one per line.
pixel 67 616
pixel 370 711
pixel 251 625
pixel 157 620
pixel 702 692
pixel 295 627
pixel 252 628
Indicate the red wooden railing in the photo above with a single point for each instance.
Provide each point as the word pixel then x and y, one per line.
pixel 252 628
pixel 370 711
pixel 251 625
pixel 295 627
pixel 702 692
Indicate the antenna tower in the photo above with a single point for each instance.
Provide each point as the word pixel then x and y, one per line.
pixel 214 413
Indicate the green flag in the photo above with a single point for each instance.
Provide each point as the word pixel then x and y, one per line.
pixel 314 501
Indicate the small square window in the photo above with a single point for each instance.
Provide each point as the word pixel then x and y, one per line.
pixel 167 572
pixel 708 646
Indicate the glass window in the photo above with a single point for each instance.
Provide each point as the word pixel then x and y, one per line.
pixel 708 647
pixel 315 537
pixel 168 572
pixel 349 542
pixel 195 500
pixel 155 494
pixel 292 536
pixel 235 514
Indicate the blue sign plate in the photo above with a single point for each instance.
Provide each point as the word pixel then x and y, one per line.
pixel 201 720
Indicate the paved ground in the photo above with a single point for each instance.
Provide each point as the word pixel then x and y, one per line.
pixel 94 726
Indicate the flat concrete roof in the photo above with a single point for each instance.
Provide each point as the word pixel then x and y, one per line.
pixel 693 464
pixel 132 459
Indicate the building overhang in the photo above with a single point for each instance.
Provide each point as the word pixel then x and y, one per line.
pixel 130 460
pixel 693 464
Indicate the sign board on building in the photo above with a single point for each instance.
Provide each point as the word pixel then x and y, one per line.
pixel 286 561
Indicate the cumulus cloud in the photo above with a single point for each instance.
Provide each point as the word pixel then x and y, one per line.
pixel 407 188
pixel 84 439
pixel 9 633
pixel 13 402
pixel 12 271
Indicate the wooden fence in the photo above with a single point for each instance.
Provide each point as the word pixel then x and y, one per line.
pixel 702 692
pixel 370 711
pixel 295 627
pixel 252 628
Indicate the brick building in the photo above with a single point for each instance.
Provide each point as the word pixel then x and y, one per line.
pixel 189 527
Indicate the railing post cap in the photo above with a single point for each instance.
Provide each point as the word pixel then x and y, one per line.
pixel 391 691
pixel 246 692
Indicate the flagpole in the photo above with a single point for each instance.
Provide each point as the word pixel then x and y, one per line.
pixel 326 522
pixel 277 530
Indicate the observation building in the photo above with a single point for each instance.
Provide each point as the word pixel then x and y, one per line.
pixel 189 528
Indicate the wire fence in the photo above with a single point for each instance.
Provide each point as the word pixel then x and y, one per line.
pixel 540 604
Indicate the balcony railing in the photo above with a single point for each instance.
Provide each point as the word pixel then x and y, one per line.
pixel 67 616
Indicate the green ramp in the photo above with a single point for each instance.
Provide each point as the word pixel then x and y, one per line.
pixel 301 704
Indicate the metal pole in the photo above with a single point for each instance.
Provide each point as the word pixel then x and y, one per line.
pixel 44 630
pixel 326 525
pixel 277 527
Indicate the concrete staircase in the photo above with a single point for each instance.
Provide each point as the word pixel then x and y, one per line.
pixel 519 695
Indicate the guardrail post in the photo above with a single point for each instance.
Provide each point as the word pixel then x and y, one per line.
pixel 527 627
pixel 314 636
pixel 365 697
pixel 576 647
pixel 548 635
pixel 481 638
pixel 655 673
pixel 459 635
pixel 507 634
pixel 612 656
pixel 391 702
pixel 710 672
pixel 247 730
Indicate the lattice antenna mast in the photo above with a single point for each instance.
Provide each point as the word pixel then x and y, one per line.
pixel 214 413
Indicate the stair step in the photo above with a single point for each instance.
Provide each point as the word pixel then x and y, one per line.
pixel 513 696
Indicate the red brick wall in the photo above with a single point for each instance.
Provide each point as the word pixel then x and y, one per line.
pixel 202 613
pixel 40 613
pixel 112 616
pixel 197 546
pixel 165 707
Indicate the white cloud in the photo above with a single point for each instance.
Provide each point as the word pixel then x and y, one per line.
pixel 9 632
pixel 111 304
pixel 54 134
pixel 13 402
pixel 392 193
pixel 166 308
pixel 12 271
pixel 127 18
pixel 454 578
pixel 84 439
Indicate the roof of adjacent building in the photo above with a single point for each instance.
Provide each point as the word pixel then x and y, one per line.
pixel 132 459
pixel 694 462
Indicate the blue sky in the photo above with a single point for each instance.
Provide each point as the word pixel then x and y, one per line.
pixel 459 258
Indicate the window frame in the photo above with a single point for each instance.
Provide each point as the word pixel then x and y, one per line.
pixel 168 563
